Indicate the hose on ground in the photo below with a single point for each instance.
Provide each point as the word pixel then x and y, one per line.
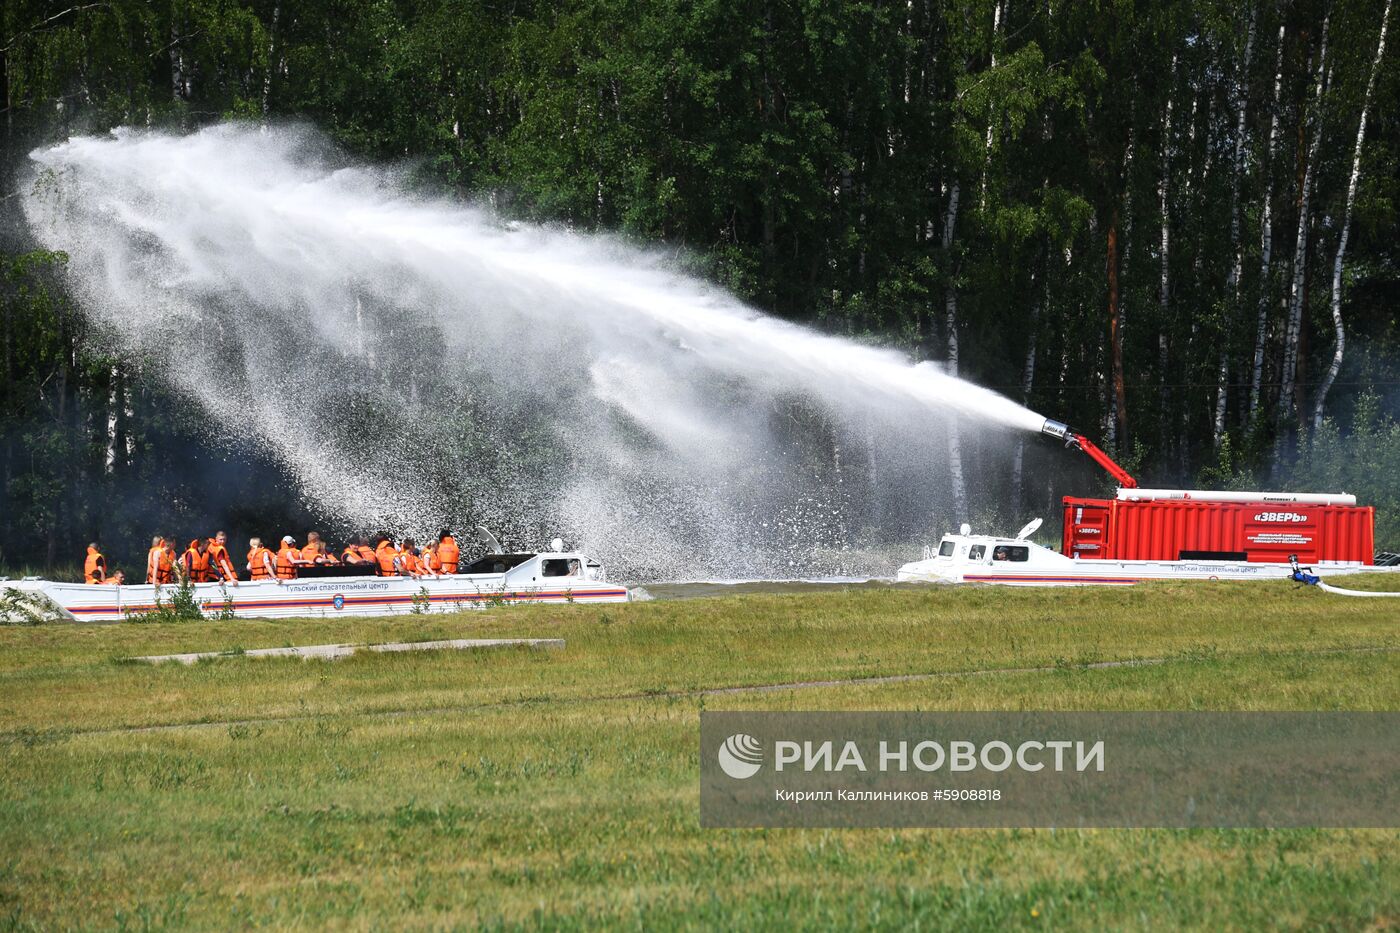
pixel 1311 579
pixel 1344 592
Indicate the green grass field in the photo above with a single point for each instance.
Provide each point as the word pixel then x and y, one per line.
pixel 560 788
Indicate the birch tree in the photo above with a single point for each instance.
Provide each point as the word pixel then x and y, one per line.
pixel 1240 98
pixel 1117 427
pixel 1354 179
pixel 1039 290
pixel 1266 241
pixel 955 470
pixel 999 12
pixel 1164 250
pixel 1287 404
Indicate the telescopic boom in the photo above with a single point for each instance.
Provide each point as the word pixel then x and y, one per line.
pixel 1062 431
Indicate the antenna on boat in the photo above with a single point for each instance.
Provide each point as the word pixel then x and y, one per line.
pixel 1029 530
pixel 489 540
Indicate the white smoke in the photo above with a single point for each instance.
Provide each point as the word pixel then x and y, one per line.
pixel 416 362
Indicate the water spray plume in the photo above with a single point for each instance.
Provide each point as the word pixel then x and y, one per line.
pixel 416 362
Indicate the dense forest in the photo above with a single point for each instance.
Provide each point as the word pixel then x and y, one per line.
pixel 1170 224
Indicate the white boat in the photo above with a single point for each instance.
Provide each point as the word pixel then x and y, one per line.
pixel 1018 561
pixel 1163 534
pixel 555 577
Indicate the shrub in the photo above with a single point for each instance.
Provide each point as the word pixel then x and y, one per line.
pixel 182 606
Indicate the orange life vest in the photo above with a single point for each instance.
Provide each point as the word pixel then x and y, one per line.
pixel 221 563
pixel 384 557
pixel 434 561
pixel 286 562
pixel 449 554
pixel 411 563
pixel 160 564
pixel 313 550
pixel 257 563
pixel 197 566
pixel 95 567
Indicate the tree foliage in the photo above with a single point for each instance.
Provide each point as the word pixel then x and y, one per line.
pixel 802 153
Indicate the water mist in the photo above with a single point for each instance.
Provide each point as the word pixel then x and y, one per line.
pixel 416 363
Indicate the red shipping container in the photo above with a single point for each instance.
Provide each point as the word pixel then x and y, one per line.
pixel 1200 529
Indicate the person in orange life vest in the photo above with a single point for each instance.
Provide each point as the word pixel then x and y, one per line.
pixel 153 559
pixel 260 562
pixel 160 562
pixel 220 561
pixel 358 552
pixel 316 551
pixel 410 564
pixel 432 563
pixel 95 566
pixel 349 555
pixel 448 552
pixel 326 553
pixel 194 563
pixel 386 556
pixel 288 559
pixel 117 578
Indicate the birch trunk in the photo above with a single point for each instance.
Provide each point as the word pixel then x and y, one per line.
pixel 7 437
pixel 1266 245
pixel 1164 247
pixel 179 81
pixel 1163 185
pixel 955 469
pixel 1027 380
pixel 61 391
pixel 998 18
pixel 1116 425
pixel 122 418
pixel 1115 334
pixel 1232 283
pixel 271 60
pixel 1355 179
pixel 1194 196
pixel 1287 405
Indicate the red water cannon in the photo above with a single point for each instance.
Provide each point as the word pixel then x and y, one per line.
pixel 1061 431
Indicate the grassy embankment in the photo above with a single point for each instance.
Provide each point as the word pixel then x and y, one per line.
pixel 560 787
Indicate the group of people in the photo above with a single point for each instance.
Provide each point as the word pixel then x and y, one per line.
pixel 207 560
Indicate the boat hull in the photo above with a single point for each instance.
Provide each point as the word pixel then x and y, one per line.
pixel 1113 573
pixel 1094 573
pixel 320 598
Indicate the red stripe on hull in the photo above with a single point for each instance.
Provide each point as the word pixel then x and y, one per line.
pixel 328 602
pixel 1038 579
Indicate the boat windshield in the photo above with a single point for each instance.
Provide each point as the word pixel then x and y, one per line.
pixel 560 567
pixel 1011 553
pixel 496 563
pixel 946 548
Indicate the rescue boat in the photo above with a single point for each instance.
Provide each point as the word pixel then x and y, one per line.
pixel 497 579
pixel 1164 534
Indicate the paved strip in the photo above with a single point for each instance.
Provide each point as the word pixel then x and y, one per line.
pixel 331 652
pixel 907 678
pixel 719 691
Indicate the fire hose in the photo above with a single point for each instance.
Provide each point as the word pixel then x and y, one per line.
pixel 1302 575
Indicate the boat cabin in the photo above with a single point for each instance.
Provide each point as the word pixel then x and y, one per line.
pixel 548 567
